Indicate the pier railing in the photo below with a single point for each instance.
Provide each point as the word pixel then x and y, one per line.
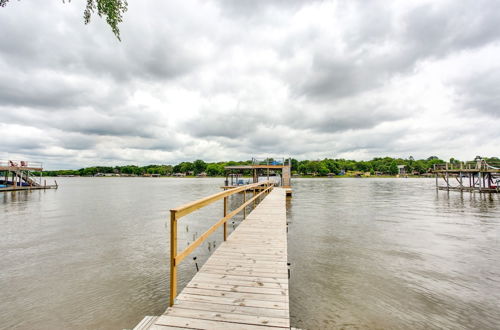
pixel 258 189
pixel 20 163
pixel 272 161
pixel 469 165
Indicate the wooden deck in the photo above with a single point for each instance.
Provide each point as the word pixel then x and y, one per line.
pixel 244 284
pixel 20 188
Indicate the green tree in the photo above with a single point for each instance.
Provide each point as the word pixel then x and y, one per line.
pixel 332 166
pixel 393 168
pixel 215 169
pixel 199 166
pixel 112 10
pixel 420 166
pixel 186 167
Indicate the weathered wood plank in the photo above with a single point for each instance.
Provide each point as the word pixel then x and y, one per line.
pixel 248 256
pixel 270 312
pixel 192 323
pixel 244 273
pixel 146 323
pixel 238 280
pixel 253 278
pixel 233 302
pixel 250 268
pixel 246 263
pixel 236 288
pixel 229 317
pixel 236 295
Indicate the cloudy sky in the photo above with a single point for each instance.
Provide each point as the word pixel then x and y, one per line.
pixel 223 79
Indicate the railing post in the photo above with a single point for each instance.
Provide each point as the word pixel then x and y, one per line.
pixel 244 201
pixel 173 254
pixel 225 223
pixel 254 197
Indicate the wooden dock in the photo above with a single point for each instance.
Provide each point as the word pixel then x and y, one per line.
pixel 244 284
pixel 478 176
pixel 21 176
pixel 21 188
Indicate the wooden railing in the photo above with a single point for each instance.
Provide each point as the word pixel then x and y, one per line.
pixel 469 165
pixel 258 189
pixel 20 163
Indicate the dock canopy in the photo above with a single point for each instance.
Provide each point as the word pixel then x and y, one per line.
pixel 266 169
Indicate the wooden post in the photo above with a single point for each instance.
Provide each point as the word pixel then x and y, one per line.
pixel 254 196
pixel 461 183
pixel 173 254
pixel 436 180
pixel 225 223
pixel 447 179
pixel 244 200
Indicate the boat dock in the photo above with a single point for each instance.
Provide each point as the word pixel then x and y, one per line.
pixel 244 283
pixel 479 176
pixel 276 170
pixel 19 175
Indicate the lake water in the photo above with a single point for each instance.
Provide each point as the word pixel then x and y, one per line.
pixel 365 253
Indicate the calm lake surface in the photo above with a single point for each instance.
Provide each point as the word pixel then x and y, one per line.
pixel 365 253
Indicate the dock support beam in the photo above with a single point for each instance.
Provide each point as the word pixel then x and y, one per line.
pixel 173 254
pixel 225 223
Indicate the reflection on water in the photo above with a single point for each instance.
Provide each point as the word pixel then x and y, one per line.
pixel 393 253
pixel 365 253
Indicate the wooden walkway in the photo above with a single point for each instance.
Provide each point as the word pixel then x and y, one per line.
pixel 244 284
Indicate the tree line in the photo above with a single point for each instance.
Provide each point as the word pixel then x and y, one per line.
pixel 324 167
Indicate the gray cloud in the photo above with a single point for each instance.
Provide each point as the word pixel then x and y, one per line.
pixel 21 144
pixel 70 47
pixel 40 90
pixel 338 121
pixel 228 125
pixel 77 141
pixel 481 92
pixel 438 30
pixel 252 9
pixel 381 45
pixel 120 121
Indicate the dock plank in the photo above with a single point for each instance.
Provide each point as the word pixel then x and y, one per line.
pixel 193 323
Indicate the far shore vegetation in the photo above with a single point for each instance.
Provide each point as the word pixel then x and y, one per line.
pixel 383 166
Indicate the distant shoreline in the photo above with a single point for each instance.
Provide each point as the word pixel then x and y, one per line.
pixel 223 177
